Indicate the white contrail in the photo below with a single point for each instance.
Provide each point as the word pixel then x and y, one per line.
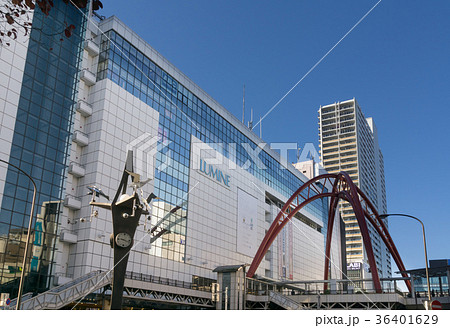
pixel 316 64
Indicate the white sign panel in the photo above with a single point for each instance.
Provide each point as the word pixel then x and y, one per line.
pixel 285 253
pixel 246 224
pixel 353 266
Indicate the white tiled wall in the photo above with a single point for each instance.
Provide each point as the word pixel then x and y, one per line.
pixel 117 119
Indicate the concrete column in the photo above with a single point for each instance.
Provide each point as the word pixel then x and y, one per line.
pixel 232 277
pixel 221 295
pixel 236 290
pixel 233 292
pixel 333 286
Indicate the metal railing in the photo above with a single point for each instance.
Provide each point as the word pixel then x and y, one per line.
pixel 261 288
pixel 65 294
pixel 342 287
pixel 284 301
pixel 76 289
pixel 165 281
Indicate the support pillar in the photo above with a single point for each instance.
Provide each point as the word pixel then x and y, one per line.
pixel 231 278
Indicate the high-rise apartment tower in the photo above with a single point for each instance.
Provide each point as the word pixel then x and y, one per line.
pixel 349 142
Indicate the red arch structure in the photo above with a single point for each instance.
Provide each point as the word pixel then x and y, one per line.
pixel 343 188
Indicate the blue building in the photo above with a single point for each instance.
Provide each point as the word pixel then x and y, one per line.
pixel 40 94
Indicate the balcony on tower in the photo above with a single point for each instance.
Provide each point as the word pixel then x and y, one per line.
pixel 80 138
pixel 91 48
pixel 84 108
pixel 72 202
pixel 88 77
pixel 67 237
pixel 77 170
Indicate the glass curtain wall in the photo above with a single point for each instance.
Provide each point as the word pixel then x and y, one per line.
pixel 182 114
pixel 40 146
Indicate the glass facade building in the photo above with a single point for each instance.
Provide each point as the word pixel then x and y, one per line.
pixel 183 114
pixel 72 131
pixel 40 146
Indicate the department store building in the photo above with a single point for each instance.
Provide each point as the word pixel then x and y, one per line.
pixel 71 111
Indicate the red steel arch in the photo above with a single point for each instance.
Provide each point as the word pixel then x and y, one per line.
pixel 343 188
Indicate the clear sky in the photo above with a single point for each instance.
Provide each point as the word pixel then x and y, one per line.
pixel 396 63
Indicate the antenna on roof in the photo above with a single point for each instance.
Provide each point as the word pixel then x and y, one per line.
pixel 250 123
pixel 243 106
pixel 260 128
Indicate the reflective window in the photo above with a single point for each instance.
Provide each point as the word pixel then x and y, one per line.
pixel 40 147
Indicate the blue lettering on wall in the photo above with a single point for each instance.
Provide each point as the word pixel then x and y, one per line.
pixel 214 173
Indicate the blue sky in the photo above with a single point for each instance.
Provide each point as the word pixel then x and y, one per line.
pixel 396 63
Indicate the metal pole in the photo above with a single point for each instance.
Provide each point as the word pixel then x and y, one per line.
pixel 424 247
pixel 243 106
pixel 24 263
pixel 226 298
pixel 426 260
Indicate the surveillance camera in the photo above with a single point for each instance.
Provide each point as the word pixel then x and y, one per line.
pixel 82 220
pixel 125 215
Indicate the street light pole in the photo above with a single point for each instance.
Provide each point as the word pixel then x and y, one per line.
pixel 24 263
pixel 424 247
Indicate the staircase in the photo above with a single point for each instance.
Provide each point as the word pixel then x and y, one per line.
pixel 12 304
pixel 283 301
pixel 65 294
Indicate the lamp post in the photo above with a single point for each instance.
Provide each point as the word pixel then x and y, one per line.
pixel 424 247
pixel 24 263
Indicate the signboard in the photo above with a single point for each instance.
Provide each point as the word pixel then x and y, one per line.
pixel 436 305
pixel 4 297
pixel 353 266
pixel 37 244
pixel 214 173
pixel 285 252
pixel 246 224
